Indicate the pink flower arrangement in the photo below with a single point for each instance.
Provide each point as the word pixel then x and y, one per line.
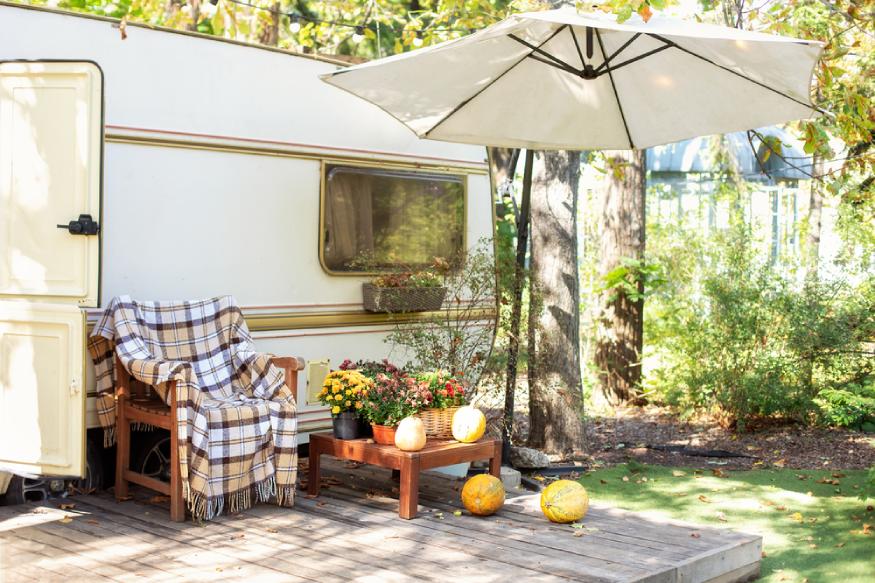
pixel 445 390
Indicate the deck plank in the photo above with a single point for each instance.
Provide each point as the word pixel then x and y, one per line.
pixel 352 532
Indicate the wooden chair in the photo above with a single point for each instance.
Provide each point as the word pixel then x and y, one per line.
pixel 135 402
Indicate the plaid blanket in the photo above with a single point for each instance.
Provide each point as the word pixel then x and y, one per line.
pixel 237 418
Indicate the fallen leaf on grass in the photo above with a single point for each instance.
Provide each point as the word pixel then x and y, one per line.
pixel 705 499
pixel 721 517
pixel 780 508
pixel 797 516
pixel 603 481
pixel 839 545
pixel 719 473
pixel 625 478
pixel 867 529
pixel 67 506
pixel 779 463
pixel 678 473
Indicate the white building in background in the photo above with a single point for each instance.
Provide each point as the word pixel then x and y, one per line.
pixel 685 177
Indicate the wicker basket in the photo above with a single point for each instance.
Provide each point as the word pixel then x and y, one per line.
pixel 402 299
pixel 438 422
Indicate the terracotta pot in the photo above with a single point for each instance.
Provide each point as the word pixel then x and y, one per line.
pixel 384 434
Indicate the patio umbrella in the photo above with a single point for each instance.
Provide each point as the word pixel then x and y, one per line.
pixel 562 80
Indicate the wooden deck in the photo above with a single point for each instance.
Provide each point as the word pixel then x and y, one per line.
pixel 352 532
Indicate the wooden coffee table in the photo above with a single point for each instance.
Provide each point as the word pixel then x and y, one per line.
pixel 435 454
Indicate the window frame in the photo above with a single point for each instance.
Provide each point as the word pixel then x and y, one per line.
pixel 392 167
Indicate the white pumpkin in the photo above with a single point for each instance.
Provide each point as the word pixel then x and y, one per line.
pixel 469 424
pixel 410 434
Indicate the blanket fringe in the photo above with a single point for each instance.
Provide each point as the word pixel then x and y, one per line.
pixel 109 436
pixel 285 496
pixel 204 508
pixel 109 433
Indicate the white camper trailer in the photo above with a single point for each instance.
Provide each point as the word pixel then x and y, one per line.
pixel 170 165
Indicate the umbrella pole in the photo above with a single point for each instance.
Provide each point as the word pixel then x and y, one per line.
pixel 522 243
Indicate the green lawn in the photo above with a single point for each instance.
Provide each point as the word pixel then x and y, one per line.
pixel 812 532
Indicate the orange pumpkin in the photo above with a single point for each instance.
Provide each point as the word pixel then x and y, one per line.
pixel 483 495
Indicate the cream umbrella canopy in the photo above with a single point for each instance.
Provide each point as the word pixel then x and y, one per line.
pixel 562 80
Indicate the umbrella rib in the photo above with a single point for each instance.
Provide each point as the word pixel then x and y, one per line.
pixel 557 62
pixel 736 73
pixel 491 83
pixel 598 36
pixel 636 58
pixel 607 61
pixel 577 46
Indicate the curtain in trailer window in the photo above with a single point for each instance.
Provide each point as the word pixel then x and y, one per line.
pixel 378 219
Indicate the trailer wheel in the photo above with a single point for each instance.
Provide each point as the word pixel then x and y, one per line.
pixel 94 469
pixel 23 490
pixel 152 456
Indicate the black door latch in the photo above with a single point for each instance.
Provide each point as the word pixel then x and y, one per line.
pixel 85 225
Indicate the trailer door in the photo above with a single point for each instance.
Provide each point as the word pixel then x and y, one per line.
pixel 51 144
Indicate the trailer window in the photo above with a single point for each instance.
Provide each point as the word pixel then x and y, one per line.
pixel 375 220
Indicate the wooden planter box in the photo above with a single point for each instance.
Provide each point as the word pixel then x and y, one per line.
pixel 402 299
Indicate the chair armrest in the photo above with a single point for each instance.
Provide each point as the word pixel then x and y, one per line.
pixel 290 363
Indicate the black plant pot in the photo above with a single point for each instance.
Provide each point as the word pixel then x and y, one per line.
pixel 347 425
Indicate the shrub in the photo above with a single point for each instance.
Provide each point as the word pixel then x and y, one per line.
pixel 853 406
pixel 747 342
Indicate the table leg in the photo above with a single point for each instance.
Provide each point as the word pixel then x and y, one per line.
pixel 409 490
pixel 314 470
pixel 495 461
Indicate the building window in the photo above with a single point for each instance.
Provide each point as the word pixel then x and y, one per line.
pixel 374 220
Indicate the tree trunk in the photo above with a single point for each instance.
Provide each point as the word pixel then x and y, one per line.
pixel 618 353
pixel 555 392
pixel 815 211
pixel 270 35
pixel 513 344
